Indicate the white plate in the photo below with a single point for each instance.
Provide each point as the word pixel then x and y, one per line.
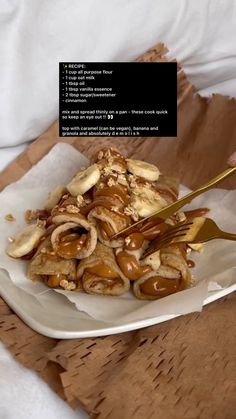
pixel 56 317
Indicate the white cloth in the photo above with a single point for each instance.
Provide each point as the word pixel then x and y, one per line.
pixel 23 395
pixel 34 37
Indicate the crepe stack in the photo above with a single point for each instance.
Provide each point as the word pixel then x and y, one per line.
pixel 69 242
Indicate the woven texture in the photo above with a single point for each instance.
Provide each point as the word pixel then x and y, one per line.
pixel 184 368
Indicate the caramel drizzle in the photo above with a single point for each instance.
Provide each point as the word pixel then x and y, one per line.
pixel 109 197
pixel 157 286
pixel 70 244
pixel 130 266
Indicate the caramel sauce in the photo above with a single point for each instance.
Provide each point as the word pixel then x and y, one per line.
pixel 97 202
pixel 130 266
pixel 105 203
pixel 106 229
pixel 190 263
pixel 160 287
pixel 116 191
pixel 198 212
pixel 70 244
pixel 135 241
pixel 54 280
pixel 103 271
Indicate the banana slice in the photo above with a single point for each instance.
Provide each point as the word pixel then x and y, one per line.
pixel 84 180
pixel 54 197
pixel 146 201
pixel 140 168
pixel 198 247
pixel 26 240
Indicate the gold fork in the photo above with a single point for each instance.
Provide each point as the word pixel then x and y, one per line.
pixel 197 230
pixel 172 208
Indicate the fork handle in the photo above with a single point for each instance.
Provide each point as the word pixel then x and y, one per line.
pixel 227 236
pixel 188 198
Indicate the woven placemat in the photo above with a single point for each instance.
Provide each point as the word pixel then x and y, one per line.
pixel 183 368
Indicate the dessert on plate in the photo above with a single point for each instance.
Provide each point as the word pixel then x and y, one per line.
pixel 69 243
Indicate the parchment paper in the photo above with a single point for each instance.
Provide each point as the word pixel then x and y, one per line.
pixel 215 266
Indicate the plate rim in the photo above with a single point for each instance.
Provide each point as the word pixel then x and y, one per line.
pixel 104 331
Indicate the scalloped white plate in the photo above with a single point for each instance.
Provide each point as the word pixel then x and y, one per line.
pixel 57 318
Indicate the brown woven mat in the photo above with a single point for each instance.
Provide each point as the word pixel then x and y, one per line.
pixel 184 368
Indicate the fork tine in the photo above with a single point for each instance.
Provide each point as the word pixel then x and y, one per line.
pixel 161 243
pixel 174 233
pixel 180 228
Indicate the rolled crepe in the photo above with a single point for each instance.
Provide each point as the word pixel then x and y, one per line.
pixel 107 210
pixel 48 267
pixel 75 237
pixel 172 275
pixel 100 274
pixel 128 259
pixel 108 223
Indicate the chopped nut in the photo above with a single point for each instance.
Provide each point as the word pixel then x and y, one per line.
pixel 130 211
pixel 111 182
pixel 72 209
pixel 132 181
pixel 65 196
pixel 122 180
pixel 100 155
pixel 64 283
pixel 11 239
pixel 68 286
pixel 43 250
pixel 62 209
pixel 30 215
pixel 107 171
pixel 80 200
pixel 41 223
pixel 9 217
pixel 101 185
pixel 71 286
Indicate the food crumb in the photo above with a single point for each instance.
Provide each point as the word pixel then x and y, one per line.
pixel 10 217
pixel 130 211
pixel 72 209
pixel 80 200
pixel 30 215
pixel 111 182
pixel 11 239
